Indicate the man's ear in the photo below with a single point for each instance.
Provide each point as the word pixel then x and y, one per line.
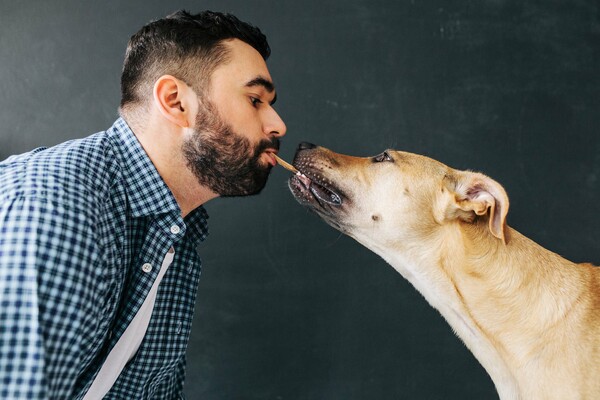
pixel 175 100
pixel 472 194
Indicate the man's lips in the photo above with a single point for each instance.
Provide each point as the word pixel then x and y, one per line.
pixel 269 156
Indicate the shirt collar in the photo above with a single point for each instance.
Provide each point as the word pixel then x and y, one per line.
pixel 146 191
pixel 197 225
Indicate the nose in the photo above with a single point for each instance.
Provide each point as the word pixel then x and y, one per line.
pixel 306 146
pixel 274 125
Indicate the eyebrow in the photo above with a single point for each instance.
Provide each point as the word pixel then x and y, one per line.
pixel 265 83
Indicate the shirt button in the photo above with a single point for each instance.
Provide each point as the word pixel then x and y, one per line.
pixel 175 229
pixel 147 267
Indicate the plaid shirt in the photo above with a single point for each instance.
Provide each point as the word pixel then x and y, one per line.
pixel 77 223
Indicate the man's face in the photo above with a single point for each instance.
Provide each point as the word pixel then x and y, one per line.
pixel 237 130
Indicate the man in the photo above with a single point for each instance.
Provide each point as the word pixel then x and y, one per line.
pixel 98 270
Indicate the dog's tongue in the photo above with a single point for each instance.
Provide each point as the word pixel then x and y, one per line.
pixel 319 191
pixel 304 179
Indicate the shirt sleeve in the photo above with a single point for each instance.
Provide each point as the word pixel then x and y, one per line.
pixel 45 247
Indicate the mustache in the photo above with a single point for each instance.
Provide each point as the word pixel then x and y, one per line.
pixel 266 144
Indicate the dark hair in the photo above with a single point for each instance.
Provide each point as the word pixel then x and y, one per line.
pixel 187 46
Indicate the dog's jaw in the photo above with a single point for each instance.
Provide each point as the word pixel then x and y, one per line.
pixel 309 191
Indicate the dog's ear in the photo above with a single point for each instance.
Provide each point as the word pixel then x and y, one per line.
pixel 474 194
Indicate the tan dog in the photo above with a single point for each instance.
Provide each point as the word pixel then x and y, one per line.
pixel 530 317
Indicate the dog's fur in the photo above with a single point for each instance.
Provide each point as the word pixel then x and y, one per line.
pixel 530 317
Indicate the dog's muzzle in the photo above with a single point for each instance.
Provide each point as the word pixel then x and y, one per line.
pixel 308 185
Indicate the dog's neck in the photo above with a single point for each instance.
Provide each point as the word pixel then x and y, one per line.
pixel 503 285
pixel 512 297
pixel 488 292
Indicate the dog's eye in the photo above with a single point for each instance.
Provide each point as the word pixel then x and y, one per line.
pixel 383 157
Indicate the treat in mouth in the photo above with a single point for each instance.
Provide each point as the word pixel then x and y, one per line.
pixel 285 164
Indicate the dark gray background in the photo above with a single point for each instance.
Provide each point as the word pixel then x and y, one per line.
pixel 288 308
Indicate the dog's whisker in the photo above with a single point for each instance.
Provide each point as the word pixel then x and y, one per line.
pixel 334 241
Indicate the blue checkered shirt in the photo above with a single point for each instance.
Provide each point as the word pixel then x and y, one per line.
pixel 77 222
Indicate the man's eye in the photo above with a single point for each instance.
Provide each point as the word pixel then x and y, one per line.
pixel 255 101
pixel 383 157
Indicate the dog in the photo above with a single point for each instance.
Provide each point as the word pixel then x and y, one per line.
pixel 531 317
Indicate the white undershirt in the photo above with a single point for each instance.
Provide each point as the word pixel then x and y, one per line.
pixel 130 341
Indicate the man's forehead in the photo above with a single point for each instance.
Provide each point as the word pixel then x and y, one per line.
pixel 242 51
pixel 244 63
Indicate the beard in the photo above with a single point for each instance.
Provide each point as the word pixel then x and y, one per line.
pixel 222 160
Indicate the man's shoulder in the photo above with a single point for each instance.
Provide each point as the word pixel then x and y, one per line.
pixel 76 171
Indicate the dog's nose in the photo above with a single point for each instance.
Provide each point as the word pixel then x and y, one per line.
pixel 306 146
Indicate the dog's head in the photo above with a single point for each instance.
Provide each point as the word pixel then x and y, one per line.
pixel 396 197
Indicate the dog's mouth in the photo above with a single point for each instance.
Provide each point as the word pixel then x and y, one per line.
pixel 310 189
